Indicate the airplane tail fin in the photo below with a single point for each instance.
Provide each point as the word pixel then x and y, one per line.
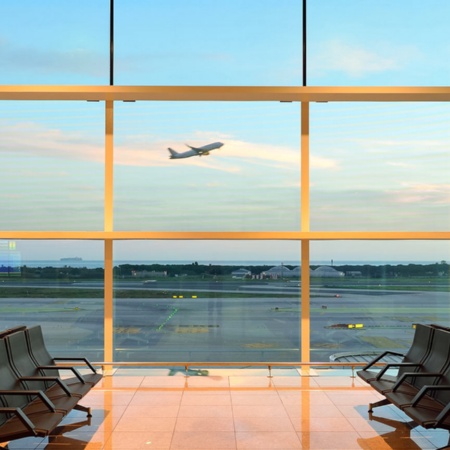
pixel 173 153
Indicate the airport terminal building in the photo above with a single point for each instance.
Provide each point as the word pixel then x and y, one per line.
pixel 310 132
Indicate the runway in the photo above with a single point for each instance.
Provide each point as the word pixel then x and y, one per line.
pixel 229 327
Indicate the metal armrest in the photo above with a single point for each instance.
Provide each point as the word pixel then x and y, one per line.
pixel 377 358
pixel 22 417
pixel 55 379
pixel 425 389
pixel 442 415
pixel 414 374
pixel 72 369
pixel 391 365
pixel 38 393
pixel 85 360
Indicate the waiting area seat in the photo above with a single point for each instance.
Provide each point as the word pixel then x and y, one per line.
pixel 416 354
pixel 47 363
pixel 33 402
pixel 421 387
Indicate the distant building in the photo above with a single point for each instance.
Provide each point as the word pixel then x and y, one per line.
pixel 326 271
pixel 147 273
pixel 241 273
pixel 353 273
pixel 280 272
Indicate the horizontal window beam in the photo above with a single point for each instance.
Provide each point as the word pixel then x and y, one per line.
pixel 226 93
pixel 226 235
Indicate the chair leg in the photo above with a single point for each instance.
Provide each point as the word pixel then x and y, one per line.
pixel 383 402
pixel 59 431
pixel 85 409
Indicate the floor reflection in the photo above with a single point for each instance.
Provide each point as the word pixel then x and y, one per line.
pixel 234 409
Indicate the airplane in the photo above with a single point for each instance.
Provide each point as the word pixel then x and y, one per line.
pixel 195 151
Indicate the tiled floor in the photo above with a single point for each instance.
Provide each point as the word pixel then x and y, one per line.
pixel 236 409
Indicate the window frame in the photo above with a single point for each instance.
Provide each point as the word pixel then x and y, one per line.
pixel 302 95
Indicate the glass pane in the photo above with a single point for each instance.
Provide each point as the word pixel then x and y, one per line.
pixel 51 154
pixel 206 301
pixel 384 43
pixel 58 285
pixel 208 43
pixel 251 183
pixel 54 42
pixel 380 167
pixel 367 296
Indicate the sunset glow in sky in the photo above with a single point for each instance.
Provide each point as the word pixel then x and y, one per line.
pixel 374 167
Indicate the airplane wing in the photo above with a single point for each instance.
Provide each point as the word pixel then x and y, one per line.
pixel 198 150
pixel 204 150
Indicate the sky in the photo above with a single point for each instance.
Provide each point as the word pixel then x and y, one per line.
pixel 373 166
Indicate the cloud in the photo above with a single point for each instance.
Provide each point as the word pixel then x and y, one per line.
pixel 235 156
pixel 422 193
pixel 356 61
pixel 402 165
pixel 411 207
pixel 409 145
pixel 39 141
pixel 77 61
pixel 319 162
pixel 144 151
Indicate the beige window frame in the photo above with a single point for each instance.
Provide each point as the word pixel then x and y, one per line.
pixel 302 95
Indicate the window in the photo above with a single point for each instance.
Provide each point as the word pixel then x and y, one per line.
pixel 380 166
pixel 58 285
pixel 206 301
pixel 52 42
pixel 208 43
pixel 366 296
pixel 380 43
pixel 250 184
pixel 52 159
pixel 311 217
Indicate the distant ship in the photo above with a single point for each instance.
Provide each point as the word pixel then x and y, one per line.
pixel 72 259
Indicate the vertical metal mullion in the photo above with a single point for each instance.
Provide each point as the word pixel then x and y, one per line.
pixel 305 167
pixel 111 42
pixel 305 326
pixel 304 46
pixel 305 310
pixel 109 164
pixel 108 226
pixel 108 304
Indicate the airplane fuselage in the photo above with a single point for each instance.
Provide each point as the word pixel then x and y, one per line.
pixel 195 151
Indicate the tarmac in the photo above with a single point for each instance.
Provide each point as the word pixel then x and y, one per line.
pixel 195 327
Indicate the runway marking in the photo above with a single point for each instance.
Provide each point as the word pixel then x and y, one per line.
pixel 127 330
pixel 192 329
pixel 259 345
pixel 326 345
pixel 38 310
pixel 278 309
pixel 378 310
pixel 170 316
pixel 382 342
